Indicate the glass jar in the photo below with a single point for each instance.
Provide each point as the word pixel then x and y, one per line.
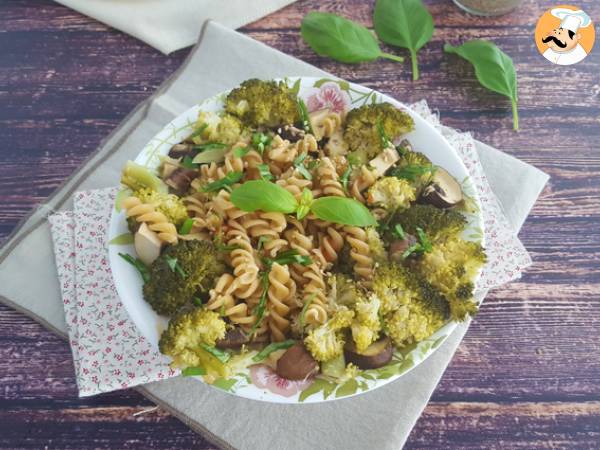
pixel 488 7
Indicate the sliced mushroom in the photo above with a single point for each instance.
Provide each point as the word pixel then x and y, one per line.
pixel 386 159
pixel 378 354
pixel 147 244
pixel 180 179
pixel 181 150
pixel 296 363
pixel 405 145
pixel 290 133
pixel 399 246
pixel 233 339
pixel 443 191
pixel 316 119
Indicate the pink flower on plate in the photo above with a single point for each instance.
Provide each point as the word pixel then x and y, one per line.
pixel 266 378
pixel 329 95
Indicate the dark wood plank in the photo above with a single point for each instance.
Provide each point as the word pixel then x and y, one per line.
pixel 526 375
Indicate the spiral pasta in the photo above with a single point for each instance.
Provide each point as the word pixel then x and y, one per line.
pixel 244 265
pixel 221 299
pixel 280 293
pixel 327 125
pixel 363 180
pixel 360 253
pixel 156 221
pixel 328 179
pixel 266 226
pixel 331 242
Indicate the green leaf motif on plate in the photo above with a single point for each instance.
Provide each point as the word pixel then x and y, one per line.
pixel 344 85
pixel 319 385
pixel 348 388
pixel 122 239
pixel 225 384
pixel 121 195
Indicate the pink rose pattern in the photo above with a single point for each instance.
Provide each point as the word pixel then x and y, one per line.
pixel 329 95
pixel 108 350
pixel 266 378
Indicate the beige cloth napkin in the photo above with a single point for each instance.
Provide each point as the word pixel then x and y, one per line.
pixel 169 25
pixel 380 419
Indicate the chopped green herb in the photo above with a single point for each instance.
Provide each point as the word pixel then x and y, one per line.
pixel 139 265
pixel 399 231
pixel 209 146
pixel 385 140
pixel 299 166
pixel 227 248
pixel 188 162
pixel 264 172
pixel 222 310
pixel 217 353
pixel 289 257
pixel 272 348
pixel 186 227
pixel 240 152
pixel 306 201
pixel 304 117
pixel 422 246
pixel 259 310
pixel 346 177
pixel 193 371
pixel 174 266
pixel 228 180
pixel 410 172
pixel 198 131
pixel 260 141
pixel 313 164
pixel 197 301
pixel 261 242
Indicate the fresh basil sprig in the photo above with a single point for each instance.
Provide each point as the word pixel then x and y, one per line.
pixel 494 69
pixel 138 264
pixel 226 181
pixel 272 347
pixel 404 23
pixel 269 197
pixel 341 39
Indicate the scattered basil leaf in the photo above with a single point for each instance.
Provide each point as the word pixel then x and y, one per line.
pixel 306 201
pixel 240 152
pixel 260 141
pixel 226 248
pixel 264 172
pixel 274 346
pixel 259 310
pixel 208 156
pixel 188 162
pixel 139 265
pixel 410 172
pixel 346 177
pixel 197 301
pixel 424 240
pixel 263 195
pixel 494 70
pixel 174 266
pixel 227 180
pixel 217 353
pixel 289 257
pixel 193 371
pixel 345 211
pixel 341 39
pixel 198 131
pixel 300 167
pixel 404 23
pixel 385 140
pixel 399 231
pixel 209 146
pixel 186 227
pixel 304 117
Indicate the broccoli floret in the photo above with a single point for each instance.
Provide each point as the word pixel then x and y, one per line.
pixel 394 286
pixel 327 341
pixel 184 270
pixel 366 325
pixel 391 194
pixel 376 245
pixel 451 267
pixel 261 103
pixel 364 126
pixel 168 204
pixel 137 177
pixel 438 224
pixel 186 333
pixel 224 128
pixel 416 168
pixel 344 290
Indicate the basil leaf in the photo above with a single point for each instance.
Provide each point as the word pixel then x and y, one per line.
pixel 174 266
pixel 341 39
pixel 299 166
pixel 264 195
pixel 494 70
pixel 227 180
pixel 291 257
pixel 193 371
pixel 345 211
pixel 404 23
pixel 217 353
pixel 188 162
pixel 240 152
pixel 138 264
pixel 264 172
pixel 260 141
pixel 399 231
pixel 186 227
pixel 208 156
pixel 272 348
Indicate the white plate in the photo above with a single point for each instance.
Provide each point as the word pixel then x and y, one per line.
pixel 259 382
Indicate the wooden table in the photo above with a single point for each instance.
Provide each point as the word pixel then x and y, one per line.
pixel 528 373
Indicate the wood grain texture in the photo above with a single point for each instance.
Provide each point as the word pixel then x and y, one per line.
pixel 527 374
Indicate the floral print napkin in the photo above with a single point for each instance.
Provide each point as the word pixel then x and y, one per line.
pixel 109 353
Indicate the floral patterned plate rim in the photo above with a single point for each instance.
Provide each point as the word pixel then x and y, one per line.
pixel 260 382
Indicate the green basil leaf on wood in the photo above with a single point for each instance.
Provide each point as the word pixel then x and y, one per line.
pixel 494 69
pixel 404 23
pixel 341 39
